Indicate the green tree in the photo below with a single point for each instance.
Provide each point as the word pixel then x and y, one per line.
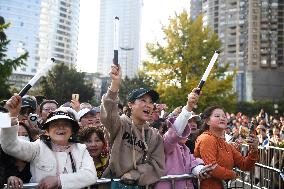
pixel 7 65
pixel 62 81
pixel 179 62
pixel 139 81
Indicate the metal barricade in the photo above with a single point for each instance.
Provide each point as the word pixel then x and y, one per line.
pixel 268 173
pixel 173 178
pixel 170 178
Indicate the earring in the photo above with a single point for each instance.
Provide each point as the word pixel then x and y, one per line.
pixel 48 138
pixel 70 138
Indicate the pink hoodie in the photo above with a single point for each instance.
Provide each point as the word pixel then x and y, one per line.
pixel 179 160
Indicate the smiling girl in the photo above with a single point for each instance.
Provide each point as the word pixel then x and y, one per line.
pixel 137 154
pixel 212 148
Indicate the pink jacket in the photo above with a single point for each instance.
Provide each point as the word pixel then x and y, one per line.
pixel 179 160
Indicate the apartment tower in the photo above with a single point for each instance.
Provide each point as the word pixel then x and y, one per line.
pixel 251 32
pixel 129 13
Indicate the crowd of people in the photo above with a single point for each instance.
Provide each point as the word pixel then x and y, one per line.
pixel 74 144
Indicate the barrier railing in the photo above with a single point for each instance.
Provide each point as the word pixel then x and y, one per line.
pixel 170 178
pixel 274 179
pixel 268 171
pixel 267 174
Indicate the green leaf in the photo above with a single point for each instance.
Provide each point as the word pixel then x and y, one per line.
pixel 179 62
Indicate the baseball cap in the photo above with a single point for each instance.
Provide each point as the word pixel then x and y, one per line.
pixel 85 111
pixel 137 93
pixel 97 109
pixel 29 101
pixel 58 114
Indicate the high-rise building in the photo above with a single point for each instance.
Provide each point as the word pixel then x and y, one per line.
pixel 265 51
pixel 44 28
pixel 252 39
pixel 59 29
pixel 23 32
pixel 129 13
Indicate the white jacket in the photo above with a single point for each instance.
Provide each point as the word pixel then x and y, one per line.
pixel 43 162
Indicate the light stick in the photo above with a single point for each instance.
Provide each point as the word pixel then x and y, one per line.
pixel 207 71
pixel 115 44
pixel 37 76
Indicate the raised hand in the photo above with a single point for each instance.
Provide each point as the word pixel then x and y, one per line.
pixel 177 110
pixel 115 74
pixel 13 105
pixel 253 142
pixel 75 104
pixel 192 99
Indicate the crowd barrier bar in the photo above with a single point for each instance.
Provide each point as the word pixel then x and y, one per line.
pixel 171 178
pixel 270 166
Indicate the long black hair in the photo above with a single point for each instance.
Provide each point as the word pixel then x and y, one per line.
pixel 205 116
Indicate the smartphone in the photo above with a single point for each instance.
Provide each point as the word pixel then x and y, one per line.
pixel 252 128
pixel 75 97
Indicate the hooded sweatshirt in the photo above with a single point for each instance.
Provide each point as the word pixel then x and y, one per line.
pixel 136 149
pixel 213 149
pixel 179 160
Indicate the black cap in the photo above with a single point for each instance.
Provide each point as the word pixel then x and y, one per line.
pixel 29 101
pixel 137 93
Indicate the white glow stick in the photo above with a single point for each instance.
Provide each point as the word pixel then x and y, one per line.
pixel 36 77
pixel 207 71
pixel 115 44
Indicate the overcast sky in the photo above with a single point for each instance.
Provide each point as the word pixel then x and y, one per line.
pixel 154 14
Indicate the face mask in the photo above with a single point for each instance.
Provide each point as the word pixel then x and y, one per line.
pixel 24 138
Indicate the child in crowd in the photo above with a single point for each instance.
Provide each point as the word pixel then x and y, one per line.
pixel 137 154
pixel 179 160
pixel 212 148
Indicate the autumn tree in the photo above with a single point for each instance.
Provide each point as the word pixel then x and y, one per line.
pixel 7 65
pixel 62 81
pixel 178 63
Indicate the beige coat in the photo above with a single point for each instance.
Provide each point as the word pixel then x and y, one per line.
pixel 125 139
